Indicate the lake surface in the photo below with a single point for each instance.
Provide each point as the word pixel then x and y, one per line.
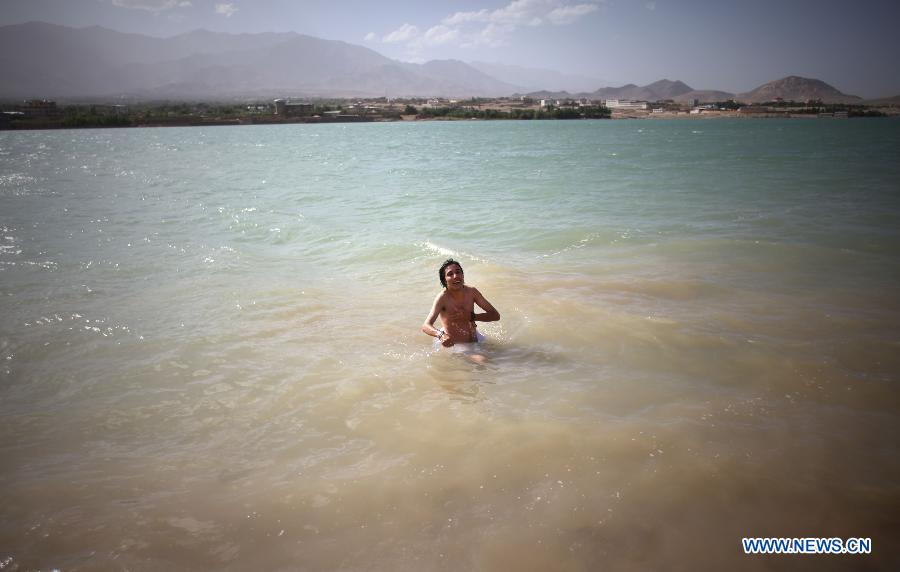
pixel 210 356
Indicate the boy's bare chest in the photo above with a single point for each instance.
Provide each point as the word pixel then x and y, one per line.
pixel 454 307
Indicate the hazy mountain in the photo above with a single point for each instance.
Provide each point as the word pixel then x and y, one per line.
pixel 293 64
pixel 627 91
pixel 796 88
pixel 789 88
pixel 460 73
pixel 44 60
pixel 537 79
pixel 665 89
pixel 545 94
pixel 895 100
pixel 656 91
pixel 48 61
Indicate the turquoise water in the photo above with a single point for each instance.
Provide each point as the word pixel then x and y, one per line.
pixel 210 354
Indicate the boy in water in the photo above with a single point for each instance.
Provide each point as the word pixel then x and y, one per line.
pixel 455 307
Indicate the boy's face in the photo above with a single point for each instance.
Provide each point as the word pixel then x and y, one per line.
pixel 453 275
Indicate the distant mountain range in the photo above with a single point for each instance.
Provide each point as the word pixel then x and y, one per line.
pixel 531 79
pixel 48 61
pixel 791 88
pixel 45 60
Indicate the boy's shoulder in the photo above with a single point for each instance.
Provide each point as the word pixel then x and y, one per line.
pixel 467 290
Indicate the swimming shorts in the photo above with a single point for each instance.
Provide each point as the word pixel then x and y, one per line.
pixel 466 347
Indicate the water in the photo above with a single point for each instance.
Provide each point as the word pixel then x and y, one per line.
pixel 210 354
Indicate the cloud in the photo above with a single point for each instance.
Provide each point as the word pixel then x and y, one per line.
pixel 568 14
pixel 491 36
pixel 464 17
pixel 525 13
pixel 370 37
pixel 404 33
pixel 439 34
pixel 151 5
pixel 650 6
pixel 226 10
pixel 491 28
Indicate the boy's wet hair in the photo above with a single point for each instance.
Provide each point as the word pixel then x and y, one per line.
pixel 444 266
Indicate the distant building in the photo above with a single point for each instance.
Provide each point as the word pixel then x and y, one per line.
pixel 109 109
pixel 625 104
pixel 287 108
pixel 763 110
pixel 39 108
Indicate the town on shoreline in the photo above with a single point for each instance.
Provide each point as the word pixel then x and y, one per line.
pixel 47 114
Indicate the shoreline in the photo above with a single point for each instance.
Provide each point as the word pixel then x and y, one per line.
pixel 615 116
pixel 42 114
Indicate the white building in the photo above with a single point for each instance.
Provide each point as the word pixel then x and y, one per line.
pixel 625 104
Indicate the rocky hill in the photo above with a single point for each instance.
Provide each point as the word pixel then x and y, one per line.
pixel 796 88
pixel 666 89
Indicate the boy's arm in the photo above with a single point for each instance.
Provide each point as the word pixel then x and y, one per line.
pixel 490 313
pixel 428 324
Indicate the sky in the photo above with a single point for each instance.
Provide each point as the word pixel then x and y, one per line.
pixel 728 45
